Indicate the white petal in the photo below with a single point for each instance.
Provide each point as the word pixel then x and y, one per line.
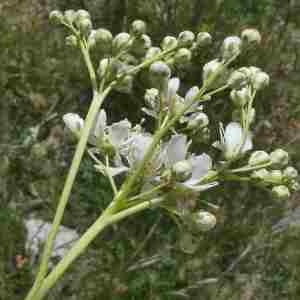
pixel 233 137
pixel 73 121
pixel 248 145
pixel 201 187
pixel 119 132
pixel 173 86
pixel 100 124
pixel 138 147
pixel 191 93
pixel 176 149
pixel 201 164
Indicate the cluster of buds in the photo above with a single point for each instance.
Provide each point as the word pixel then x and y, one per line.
pixel 277 174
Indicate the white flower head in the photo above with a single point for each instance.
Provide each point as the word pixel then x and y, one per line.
pixel 74 122
pixel 233 141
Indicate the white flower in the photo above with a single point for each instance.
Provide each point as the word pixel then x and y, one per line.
pixel 176 150
pixel 233 142
pixel 74 122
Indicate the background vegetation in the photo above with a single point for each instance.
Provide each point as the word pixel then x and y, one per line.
pixel 254 251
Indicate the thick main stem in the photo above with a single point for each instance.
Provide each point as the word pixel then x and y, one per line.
pixel 107 218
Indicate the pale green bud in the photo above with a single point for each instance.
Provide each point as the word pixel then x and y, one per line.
pixel 281 192
pixel 251 36
pixel 186 38
pixel 237 79
pixel 275 176
pixel 103 38
pixel 82 14
pixel 261 174
pixel 125 85
pixel 169 42
pixel 141 45
pixel 240 97
pixel 70 16
pixel 56 17
pixel 152 98
pixel 290 173
pixel 120 42
pixel 231 46
pixel 102 68
pixel 71 41
pixel 153 51
pixel 138 28
pixel 160 69
pixel 259 158
pixel 204 220
pixel 210 68
pixel 183 56
pixel 260 80
pixel 182 170
pixel 294 185
pixel 279 158
pixel 203 39
pixel 91 40
pixel 200 121
pixel 85 26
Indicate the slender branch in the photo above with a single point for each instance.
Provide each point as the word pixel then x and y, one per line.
pixel 110 178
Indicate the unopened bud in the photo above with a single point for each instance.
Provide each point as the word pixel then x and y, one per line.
pixel 210 68
pixel 56 17
pixel 182 170
pixel 138 28
pixel 231 46
pixel 251 36
pixel 279 158
pixel 237 79
pixel 261 174
pixel 85 26
pixel 186 38
pixel 152 98
pixel 82 14
pixel 240 97
pixel 120 42
pixel 203 39
pixel 198 122
pixel 169 42
pixel 281 192
pixel 70 16
pixel 153 51
pixel 160 69
pixel 74 122
pixel 259 158
pixel 183 56
pixel 294 185
pixel 71 41
pixel 141 45
pixel 125 85
pixel 103 38
pixel 260 80
pixel 290 173
pixel 275 176
pixel 102 68
pixel 204 220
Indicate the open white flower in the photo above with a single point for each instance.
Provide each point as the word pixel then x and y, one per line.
pixel 74 122
pixel 176 151
pixel 233 141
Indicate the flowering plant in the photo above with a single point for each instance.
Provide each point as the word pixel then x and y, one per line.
pixel 158 167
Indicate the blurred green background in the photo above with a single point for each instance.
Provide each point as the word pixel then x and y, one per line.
pixel 41 79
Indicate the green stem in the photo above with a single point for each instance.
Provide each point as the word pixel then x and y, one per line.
pixel 250 168
pixel 106 219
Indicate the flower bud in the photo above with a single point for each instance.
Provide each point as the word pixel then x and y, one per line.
pixel 204 220
pixel 182 170
pixel 82 14
pixel 71 41
pixel 125 85
pixel 74 122
pixel 275 176
pixel 70 16
pixel 260 80
pixel 279 158
pixel 259 158
pixel 160 69
pixel 240 97
pixel 251 36
pixel 294 185
pixel 231 46
pixel 153 51
pixel 91 40
pixel 183 56
pixel 281 192
pixel 261 174
pixel 120 42
pixel 102 68
pixel 290 173
pixel 210 68
pixel 103 38
pixel 186 38
pixel 203 39
pixel 85 26
pixel 237 79
pixel 138 28
pixel 199 121
pixel 141 45
pixel 56 17
pixel 169 42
